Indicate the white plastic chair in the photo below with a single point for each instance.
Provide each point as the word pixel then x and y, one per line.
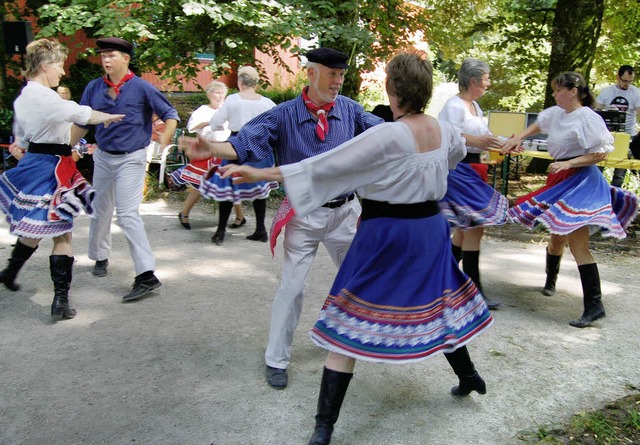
pixel 169 156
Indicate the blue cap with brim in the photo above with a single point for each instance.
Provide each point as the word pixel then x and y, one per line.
pixel 328 57
pixel 106 44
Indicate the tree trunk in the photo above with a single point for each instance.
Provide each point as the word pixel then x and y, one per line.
pixel 576 28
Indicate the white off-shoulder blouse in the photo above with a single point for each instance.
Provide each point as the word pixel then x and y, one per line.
pixel 574 134
pixel 381 164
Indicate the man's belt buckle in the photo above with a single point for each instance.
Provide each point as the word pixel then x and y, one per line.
pixel 338 202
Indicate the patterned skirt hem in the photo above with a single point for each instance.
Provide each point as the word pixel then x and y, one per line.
pixel 606 230
pixel 450 346
pixel 236 195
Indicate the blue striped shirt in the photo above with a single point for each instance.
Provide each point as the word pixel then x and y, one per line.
pixel 289 131
pixel 138 100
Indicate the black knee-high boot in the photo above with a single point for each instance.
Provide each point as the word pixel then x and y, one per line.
pixel 469 378
pixel 471 266
pixel 20 254
pixel 552 270
pixel 260 208
pixel 224 209
pixel 332 390
pixel 457 253
pixel 61 275
pixel 592 296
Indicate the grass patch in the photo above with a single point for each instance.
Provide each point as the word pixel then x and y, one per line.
pixel 618 423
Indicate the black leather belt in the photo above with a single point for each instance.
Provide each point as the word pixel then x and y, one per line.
pixel 471 158
pixel 334 204
pixel 120 153
pixel 381 209
pixel 50 149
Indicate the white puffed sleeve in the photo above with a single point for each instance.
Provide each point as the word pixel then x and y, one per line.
pixel 452 136
pixel 66 110
pixel 593 135
pixel 545 117
pixel 360 161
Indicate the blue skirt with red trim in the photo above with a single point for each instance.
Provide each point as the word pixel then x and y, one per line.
pixel 578 198
pixel 194 172
pixel 219 189
pixel 399 296
pixel 43 194
pixel 471 202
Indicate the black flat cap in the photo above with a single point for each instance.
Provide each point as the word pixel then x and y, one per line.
pixel 114 44
pixel 328 57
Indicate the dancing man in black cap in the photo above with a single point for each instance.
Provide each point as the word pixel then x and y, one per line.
pixel 120 161
pixel 315 122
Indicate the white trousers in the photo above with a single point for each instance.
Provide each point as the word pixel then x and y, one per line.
pixel 302 236
pixel 119 183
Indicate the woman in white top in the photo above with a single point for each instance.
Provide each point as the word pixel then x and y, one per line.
pixel 44 193
pixel 191 175
pixel 471 204
pixel 238 109
pixel 399 296
pixel 576 200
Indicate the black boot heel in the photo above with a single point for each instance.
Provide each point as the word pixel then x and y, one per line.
pixel 259 236
pixel 468 385
pixel 218 238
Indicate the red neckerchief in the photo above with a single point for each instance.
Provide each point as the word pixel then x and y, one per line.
pixel 116 87
pixel 322 128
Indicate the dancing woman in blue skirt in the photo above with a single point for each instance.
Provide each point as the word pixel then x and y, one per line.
pixel 44 193
pixel 399 296
pixel 471 204
pixel 576 200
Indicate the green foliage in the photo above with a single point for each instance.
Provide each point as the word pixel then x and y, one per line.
pixel 186 103
pixel 281 92
pixel 169 33
pixel 514 37
pixel 614 424
pixel 6 124
pixel 80 74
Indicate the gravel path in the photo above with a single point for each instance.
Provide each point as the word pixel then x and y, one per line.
pixel 185 366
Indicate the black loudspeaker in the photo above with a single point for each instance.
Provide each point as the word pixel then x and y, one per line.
pixel 17 35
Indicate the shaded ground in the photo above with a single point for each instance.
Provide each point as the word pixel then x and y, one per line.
pixel 185 366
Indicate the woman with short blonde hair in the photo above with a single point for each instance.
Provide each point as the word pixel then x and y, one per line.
pixel 45 192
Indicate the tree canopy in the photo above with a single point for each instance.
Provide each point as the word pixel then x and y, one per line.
pixel 169 33
pixel 524 41
pixel 518 37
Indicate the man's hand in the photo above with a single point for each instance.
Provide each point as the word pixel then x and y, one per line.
pixel 194 147
pixel 242 173
pixel 245 173
pixel 113 118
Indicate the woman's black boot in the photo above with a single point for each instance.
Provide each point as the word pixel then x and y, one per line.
pixel 457 253
pixel 469 378
pixel 224 207
pixel 61 275
pixel 20 254
pixel 260 209
pixel 552 270
pixel 592 296
pixel 332 390
pixel 471 266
